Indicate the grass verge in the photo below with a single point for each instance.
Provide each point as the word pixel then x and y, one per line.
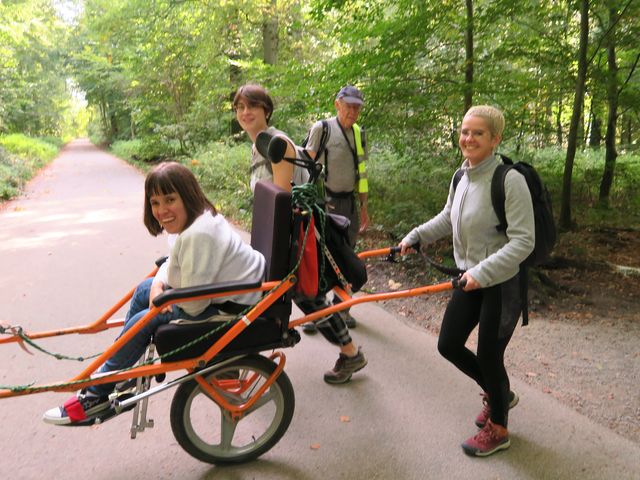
pixel 20 158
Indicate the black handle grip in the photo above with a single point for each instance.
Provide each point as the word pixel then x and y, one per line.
pixel 161 260
pixel 459 283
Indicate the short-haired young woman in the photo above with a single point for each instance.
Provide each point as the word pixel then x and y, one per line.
pixel 491 259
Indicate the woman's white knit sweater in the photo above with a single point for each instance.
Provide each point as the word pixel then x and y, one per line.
pixel 210 251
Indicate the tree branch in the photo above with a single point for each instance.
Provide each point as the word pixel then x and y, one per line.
pixel 606 34
pixel 633 67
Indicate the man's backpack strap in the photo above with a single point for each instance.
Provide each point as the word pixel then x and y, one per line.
pixel 323 139
pixel 322 147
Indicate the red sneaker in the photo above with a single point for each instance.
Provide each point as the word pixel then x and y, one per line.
pixel 489 440
pixel 485 414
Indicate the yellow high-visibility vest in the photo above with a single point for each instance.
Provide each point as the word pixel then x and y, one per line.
pixel 363 183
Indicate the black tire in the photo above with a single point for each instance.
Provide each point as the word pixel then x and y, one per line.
pixel 198 421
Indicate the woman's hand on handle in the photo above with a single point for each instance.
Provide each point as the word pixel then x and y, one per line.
pixel 406 248
pixel 471 283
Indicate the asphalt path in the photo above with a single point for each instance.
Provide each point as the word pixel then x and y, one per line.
pixel 74 243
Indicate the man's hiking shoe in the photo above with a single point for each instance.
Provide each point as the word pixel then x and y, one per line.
pixel 78 408
pixel 309 328
pixel 489 440
pixel 345 367
pixel 485 414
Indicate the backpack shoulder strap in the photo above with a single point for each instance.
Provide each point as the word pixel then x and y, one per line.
pixel 456 178
pixel 498 195
pixel 506 160
pixel 322 147
pixel 324 136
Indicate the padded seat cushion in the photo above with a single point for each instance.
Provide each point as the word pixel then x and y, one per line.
pixel 262 334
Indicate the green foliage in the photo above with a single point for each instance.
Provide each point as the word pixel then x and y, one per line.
pixel 158 77
pixel 624 209
pixel 223 172
pixel 221 168
pixel 33 93
pixel 147 150
pixel 10 173
pixel 407 189
pixel 20 158
pixel 35 149
pixel 127 149
pixel 96 133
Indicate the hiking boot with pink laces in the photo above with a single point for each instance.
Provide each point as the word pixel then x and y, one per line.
pixel 491 439
pixel 485 414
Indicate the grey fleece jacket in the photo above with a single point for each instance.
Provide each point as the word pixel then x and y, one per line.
pixel 489 256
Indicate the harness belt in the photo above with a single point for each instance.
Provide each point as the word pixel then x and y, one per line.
pixel 331 193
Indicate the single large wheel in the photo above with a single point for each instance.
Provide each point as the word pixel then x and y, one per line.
pixel 209 433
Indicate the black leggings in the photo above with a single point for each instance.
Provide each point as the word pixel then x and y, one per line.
pixel 495 310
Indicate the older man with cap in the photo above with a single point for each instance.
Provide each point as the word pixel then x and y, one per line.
pixel 339 144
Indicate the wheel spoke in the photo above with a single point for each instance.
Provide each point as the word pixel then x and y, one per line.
pixel 227 430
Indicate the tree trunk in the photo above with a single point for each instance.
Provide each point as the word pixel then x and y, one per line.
pixel 270 35
pixel 612 99
pixel 235 73
pixel 595 131
pixel 625 134
pixel 559 136
pixel 468 66
pixel 565 221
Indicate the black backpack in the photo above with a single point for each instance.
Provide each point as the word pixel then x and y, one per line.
pixel 545 227
pixel 323 140
pixel 322 148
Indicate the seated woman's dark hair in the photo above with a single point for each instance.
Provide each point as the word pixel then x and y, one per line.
pixel 170 177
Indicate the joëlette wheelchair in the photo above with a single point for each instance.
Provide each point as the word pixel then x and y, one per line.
pixel 233 402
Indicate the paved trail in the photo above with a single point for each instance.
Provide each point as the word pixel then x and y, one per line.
pixel 74 243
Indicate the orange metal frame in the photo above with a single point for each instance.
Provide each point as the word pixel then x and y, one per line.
pixel 276 290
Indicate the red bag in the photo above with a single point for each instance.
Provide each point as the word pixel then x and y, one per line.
pixel 308 270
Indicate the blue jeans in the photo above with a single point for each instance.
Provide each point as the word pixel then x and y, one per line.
pixel 129 354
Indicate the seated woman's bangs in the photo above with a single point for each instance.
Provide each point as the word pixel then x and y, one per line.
pixel 161 185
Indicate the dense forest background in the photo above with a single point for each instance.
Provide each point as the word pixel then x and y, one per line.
pixel 154 78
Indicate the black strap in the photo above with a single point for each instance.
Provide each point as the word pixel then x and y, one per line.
pixel 354 153
pixel 497 191
pixel 498 195
pixel 338 194
pixel 322 148
pixel 524 293
pixel 456 178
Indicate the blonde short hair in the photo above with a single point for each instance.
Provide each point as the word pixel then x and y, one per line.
pixel 493 116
